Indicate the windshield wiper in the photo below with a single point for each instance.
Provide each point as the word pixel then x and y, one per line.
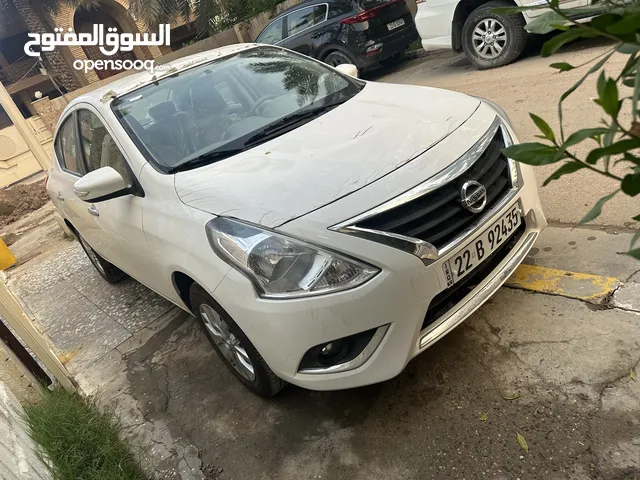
pixel 290 121
pixel 204 159
pixel 272 130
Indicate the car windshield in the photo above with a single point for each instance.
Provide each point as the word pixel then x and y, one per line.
pixel 215 110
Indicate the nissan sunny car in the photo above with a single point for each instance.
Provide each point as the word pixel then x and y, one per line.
pixel 324 230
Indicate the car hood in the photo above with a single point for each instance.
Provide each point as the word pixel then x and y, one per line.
pixel 377 131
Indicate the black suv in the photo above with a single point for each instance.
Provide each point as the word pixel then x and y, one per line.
pixel 361 32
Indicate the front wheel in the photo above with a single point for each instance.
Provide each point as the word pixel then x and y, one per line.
pixel 491 40
pixel 233 346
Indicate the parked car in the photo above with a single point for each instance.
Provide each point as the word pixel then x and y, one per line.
pixel 487 39
pixel 358 32
pixel 324 230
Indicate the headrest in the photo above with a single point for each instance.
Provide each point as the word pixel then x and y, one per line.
pixel 162 110
pixel 204 96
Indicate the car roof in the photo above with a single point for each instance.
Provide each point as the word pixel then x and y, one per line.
pixel 131 82
pixel 300 5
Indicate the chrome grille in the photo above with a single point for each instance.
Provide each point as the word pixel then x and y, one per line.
pixel 437 217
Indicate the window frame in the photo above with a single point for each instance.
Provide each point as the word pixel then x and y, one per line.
pixel 283 31
pixel 135 188
pixel 127 164
pixel 70 117
pixel 326 16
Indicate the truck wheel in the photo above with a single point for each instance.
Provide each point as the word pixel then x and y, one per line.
pixel 490 40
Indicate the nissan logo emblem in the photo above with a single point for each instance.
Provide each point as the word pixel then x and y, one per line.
pixel 474 196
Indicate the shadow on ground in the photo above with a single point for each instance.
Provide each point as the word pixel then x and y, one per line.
pixel 426 423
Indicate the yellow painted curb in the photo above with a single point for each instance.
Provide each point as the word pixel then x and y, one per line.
pixel 583 286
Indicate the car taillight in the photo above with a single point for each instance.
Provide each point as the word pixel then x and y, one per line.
pixel 420 1
pixel 366 15
pixel 361 17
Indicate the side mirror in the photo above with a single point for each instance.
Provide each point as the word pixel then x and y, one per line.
pixel 348 69
pixel 101 184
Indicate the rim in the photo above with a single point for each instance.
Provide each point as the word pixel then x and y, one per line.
pixel 489 38
pixel 336 60
pixel 227 342
pixel 92 256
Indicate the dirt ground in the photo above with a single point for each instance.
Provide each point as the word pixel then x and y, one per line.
pixel 27 224
pixel 19 200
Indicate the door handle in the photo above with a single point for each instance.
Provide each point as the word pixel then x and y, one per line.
pixel 93 211
pixel 60 197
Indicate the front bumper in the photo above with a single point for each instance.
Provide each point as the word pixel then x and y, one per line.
pixel 282 331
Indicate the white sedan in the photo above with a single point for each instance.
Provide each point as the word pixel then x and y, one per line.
pixel 323 229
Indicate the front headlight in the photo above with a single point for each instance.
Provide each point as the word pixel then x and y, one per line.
pixel 281 267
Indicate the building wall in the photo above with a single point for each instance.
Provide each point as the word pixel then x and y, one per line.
pixel 16 160
pixel 19 459
pixel 118 10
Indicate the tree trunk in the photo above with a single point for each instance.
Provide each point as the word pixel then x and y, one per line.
pixel 54 61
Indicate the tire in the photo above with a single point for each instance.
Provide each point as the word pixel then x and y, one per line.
pixel 236 349
pixel 107 270
pixel 337 57
pixel 393 60
pixel 503 48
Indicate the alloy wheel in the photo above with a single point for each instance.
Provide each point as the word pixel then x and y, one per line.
pixel 489 38
pixel 228 344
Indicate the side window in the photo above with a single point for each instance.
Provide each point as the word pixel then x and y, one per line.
pixel 339 8
pixel 99 148
pixel 272 34
pixel 66 147
pixel 302 19
pixel 319 13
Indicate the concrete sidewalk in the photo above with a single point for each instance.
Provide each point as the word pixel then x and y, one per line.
pixel 452 413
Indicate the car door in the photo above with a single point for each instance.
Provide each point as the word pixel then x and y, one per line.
pixel 305 28
pixel 67 156
pixel 112 227
pixel 563 4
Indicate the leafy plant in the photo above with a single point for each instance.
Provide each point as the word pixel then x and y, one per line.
pixel 614 144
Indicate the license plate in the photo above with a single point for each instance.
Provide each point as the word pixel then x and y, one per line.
pixel 395 24
pixel 478 250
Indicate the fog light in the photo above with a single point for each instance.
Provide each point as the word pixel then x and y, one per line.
pixel 342 354
pixel 331 349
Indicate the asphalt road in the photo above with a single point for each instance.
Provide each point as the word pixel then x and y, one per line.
pixel 529 85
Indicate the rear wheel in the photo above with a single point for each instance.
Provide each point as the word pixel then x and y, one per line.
pixel 337 57
pixel 233 346
pixel 490 40
pixel 107 270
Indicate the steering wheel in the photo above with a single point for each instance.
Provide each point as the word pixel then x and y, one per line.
pixel 260 101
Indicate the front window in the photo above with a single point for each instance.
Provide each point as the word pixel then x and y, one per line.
pixel 218 109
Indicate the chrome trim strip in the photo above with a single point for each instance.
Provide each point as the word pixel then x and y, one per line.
pixel 356 362
pixel 435 332
pixel 427 252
